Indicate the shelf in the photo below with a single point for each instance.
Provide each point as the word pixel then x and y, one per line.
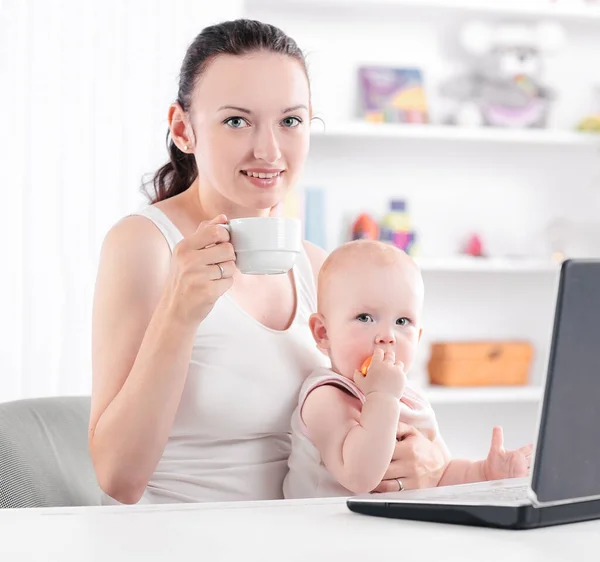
pixel 482 395
pixel 362 129
pixel 536 9
pixel 486 265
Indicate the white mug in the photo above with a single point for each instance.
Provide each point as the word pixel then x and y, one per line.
pixel 265 245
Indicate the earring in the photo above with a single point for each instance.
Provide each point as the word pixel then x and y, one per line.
pixel 185 147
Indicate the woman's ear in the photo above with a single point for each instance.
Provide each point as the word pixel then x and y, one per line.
pixel 319 331
pixel 180 129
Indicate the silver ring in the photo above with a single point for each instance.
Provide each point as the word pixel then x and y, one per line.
pixel 400 485
pixel 222 271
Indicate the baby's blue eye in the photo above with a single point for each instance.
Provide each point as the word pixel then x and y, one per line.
pixel 364 318
pixel 403 321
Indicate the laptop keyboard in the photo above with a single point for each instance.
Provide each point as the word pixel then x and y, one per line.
pixel 499 492
pixel 491 495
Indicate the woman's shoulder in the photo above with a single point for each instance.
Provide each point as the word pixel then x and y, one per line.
pixel 135 230
pixel 134 243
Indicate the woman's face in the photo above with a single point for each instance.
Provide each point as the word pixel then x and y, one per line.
pixel 251 123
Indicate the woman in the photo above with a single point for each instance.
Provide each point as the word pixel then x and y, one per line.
pixel 196 367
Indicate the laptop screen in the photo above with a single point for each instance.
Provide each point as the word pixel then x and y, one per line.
pixel 567 458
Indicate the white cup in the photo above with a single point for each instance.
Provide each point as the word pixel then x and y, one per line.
pixel 265 245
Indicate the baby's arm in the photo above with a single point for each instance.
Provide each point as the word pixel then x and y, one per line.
pixel 356 445
pixel 357 442
pixel 462 471
pixel 498 465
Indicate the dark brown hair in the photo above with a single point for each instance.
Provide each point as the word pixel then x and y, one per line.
pixel 237 37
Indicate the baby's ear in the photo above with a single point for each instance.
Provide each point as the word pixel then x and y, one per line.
pixel 319 331
pixel 420 334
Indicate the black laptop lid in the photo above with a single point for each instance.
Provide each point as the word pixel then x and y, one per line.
pixel 567 459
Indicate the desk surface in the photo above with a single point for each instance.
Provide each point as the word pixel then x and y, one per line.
pixel 307 530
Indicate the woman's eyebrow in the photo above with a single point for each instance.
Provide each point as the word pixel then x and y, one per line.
pixel 294 108
pixel 235 108
pixel 248 112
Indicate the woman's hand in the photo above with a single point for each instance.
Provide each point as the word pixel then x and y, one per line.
pixel 202 269
pixel 417 461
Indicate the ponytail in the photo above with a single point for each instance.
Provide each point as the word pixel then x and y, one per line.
pixel 175 176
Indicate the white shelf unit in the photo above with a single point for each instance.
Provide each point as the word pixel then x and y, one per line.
pixel 486 265
pixel 576 12
pixel 359 130
pixel 438 395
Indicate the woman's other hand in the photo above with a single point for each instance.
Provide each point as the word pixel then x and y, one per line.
pixel 417 461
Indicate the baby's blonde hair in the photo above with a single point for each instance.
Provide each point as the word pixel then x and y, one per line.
pixel 367 253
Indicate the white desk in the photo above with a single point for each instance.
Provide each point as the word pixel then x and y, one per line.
pixel 285 531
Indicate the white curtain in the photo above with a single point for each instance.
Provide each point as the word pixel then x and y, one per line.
pixel 84 91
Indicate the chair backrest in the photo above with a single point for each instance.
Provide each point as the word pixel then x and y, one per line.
pixel 44 455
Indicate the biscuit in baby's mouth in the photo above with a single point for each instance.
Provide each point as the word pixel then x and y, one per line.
pixel 365 366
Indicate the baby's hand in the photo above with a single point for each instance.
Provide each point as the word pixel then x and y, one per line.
pixel 384 375
pixel 501 463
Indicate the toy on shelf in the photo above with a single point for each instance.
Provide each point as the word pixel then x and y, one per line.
pixel 365 227
pixel 392 95
pixel 504 87
pixel 396 228
pixel 591 123
pixel 474 246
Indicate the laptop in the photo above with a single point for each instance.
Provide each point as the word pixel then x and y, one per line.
pixel 564 483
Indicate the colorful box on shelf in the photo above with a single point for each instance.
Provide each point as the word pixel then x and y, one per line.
pixel 480 363
pixel 396 228
pixel 392 95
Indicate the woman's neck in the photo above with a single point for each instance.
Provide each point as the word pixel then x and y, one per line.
pixel 209 204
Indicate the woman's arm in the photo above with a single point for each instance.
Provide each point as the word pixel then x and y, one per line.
pixel 356 446
pixel 139 359
pixel 141 344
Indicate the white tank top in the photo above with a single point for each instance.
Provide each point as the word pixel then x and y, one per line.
pixel 308 477
pixel 231 435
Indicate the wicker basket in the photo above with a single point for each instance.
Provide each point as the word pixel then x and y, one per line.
pixel 491 363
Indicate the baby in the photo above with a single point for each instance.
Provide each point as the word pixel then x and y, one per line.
pixel 370 299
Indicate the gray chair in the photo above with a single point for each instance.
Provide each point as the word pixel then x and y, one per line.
pixel 44 455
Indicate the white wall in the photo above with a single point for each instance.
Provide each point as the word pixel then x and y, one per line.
pixel 85 87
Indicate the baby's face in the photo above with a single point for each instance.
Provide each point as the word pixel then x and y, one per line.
pixel 374 306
